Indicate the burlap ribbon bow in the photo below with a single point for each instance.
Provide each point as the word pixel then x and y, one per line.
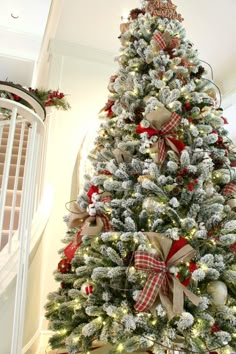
pixel 161 282
pixel 89 226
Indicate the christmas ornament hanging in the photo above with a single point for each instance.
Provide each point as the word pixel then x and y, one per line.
pixel 86 289
pixel 64 266
pixel 218 291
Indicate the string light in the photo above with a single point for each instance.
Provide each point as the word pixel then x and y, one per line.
pixel 195 332
pixel 204 267
pixel 120 348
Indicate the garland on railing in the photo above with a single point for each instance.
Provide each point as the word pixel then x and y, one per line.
pixel 48 98
pixel 51 98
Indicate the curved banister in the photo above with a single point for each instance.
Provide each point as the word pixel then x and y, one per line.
pixel 23 137
pixel 26 95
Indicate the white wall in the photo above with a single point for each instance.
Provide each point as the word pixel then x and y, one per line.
pixel 83 75
pixel 17 70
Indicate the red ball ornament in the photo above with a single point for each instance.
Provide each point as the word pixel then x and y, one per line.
pixel 86 289
pixel 64 266
pixel 187 106
pixel 215 328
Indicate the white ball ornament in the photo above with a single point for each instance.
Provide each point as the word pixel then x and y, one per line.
pixel 218 292
pixel 86 289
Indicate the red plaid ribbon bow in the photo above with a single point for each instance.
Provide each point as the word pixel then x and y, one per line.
pixel 166 137
pixel 159 41
pixel 156 281
pixel 160 281
pixel 229 189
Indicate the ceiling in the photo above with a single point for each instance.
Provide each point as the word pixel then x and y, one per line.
pixel 210 26
pixel 21 37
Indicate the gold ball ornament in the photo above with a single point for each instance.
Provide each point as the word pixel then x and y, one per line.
pixel 221 176
pixel 217 176
pixel 218 292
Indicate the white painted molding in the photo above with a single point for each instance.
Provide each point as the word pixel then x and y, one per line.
pixel 63 48
pixel 40 77
pixel 229 99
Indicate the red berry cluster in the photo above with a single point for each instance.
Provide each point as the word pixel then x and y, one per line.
pixel 215 328
pixel 190 181
pixel 52 96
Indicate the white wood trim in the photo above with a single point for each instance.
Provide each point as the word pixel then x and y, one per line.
pixel 59 47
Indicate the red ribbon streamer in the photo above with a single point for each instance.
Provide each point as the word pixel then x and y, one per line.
pixel 70 250
pixel 91 191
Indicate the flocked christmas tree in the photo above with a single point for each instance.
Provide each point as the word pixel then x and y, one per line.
pixel 149 260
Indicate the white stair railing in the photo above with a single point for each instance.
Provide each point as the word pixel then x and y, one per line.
pixel 22 153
